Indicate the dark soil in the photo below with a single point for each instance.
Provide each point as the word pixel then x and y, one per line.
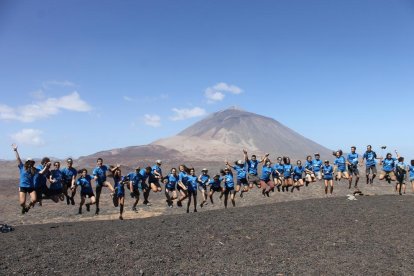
pixel 330 236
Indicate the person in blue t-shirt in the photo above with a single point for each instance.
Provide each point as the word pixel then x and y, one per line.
pixel 287 173
pixel 99 175
pixel 40 180
pixel 370 165
pixel 401 170
pixel 192 183
pixel 278 170
pixel 203 181
pixel 215 186
pixel 309 174
pixel 317 166
pixel 170 183
pixel 328 171
pixel 182 183
pixel 388 167
pixel 56 183
pixel 241 180
pixel 266 182
pixel 228 188
pixel 155 177
pixel 298 171
pixel 119 185
pixel 340 166
pixel 352 161
pixel 27 175
pixel 411 174
pixel 85 183
pixel 138 181
pixel 69 181
pixel 252 169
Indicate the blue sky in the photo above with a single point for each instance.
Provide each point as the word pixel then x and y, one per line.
pixel 77 77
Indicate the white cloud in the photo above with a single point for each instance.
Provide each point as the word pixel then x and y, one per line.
pixel 152 120
pixel 222 86
pixel 65 83
pixel 217 92
pixel 28 136
pixel 128 99
pixel 45 108
pixel 185 113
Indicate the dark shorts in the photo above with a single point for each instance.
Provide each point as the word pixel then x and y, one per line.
pixel 54 192
pixel 253 179
pixel 26 190
pixel 372 169
pixel 88 195
pixel 202 188
pixel 269 183
pixel 143 186
pixel 229 190
pixel 242 181
pixel 215 189
pixel 169 188
pixel 353 170
pixel 328 178
pixel 155 181
pixel 297 178
pixel 400 179
pixel 192 192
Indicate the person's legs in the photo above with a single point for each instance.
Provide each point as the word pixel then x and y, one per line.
pixel 136 196
pixel 190 195
pixel 226 197
pixel 195 200
pixel 81 204
pixel 332 185
pixel 184 195
pixel 98 195
pixel 167 195
pixel 121 201
pixel 233 200
pixel 326 186
pixel 412 186
pixel 109 186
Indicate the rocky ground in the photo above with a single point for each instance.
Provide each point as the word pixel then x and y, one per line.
pixel 329 236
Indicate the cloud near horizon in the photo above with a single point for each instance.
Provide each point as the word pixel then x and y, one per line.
pixel 217 92
pixel 152 120
pixel 45 108
pixel 28 136
pixel 186 113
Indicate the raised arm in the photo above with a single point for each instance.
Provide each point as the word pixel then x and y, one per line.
pixel 114 168
pixel 396 153
pixel 19 161
pixel 264 158
pixel 246 158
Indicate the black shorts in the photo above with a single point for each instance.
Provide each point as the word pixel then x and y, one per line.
pixel 26 190
pixel 372 169
pixel 88 195
pixel 192 192
pixel 156 181
pixel 242 181
pixel 353 170
pixel 254 179
pixel 215 189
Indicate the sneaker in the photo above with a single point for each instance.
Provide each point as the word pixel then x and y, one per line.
pixel 188 210
pixel 241 194
pixel 179 204
pixel 195 210
pixel 121 218
pixel 23 210
pixel 278 188
pixel 72 200
pixel 88 207
pixel 267 194
pixel 148 203
pixel 97 211
pixel 80 210
pixel 171 205
pixel 67 200
pixel 134 209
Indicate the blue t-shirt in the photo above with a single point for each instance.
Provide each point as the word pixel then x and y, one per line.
pixel 252 166
pixel 26 178
pixel 215 183
pixel 411 170
pixel 204 179
pixel 308 165
pixel 40 179
pixel 144 175
pixel 135 178
pixel 298 171
pixel 278 168
pixel 327 172
pixel 287 170
pixel 341 163
pixel 370 157
pixel 68 174
pixel 172 181
pixel 401 169
pixel 57 176
pixel 100 172
pixel 119 186
pixel 183 178
pixel 192 182
pixel 228 181
pixel 388 165
pixel 266 173
pixel 157 169
pixel 241 172
pixel 317 165
pixel 86 184
pixel 353 158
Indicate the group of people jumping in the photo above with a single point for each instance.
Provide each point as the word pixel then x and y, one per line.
pixel 184 184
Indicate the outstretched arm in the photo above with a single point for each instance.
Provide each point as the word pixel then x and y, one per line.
pixel 246 158
pixel 14 147
pixel 398 155
pixel 264 158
